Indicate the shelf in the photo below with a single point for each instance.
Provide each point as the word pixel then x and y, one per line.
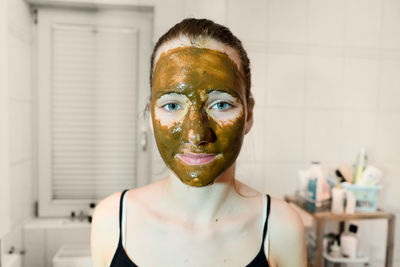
pixel 362 259
pixel 322 217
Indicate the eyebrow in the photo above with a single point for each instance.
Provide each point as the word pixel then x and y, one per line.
pixel 180 91
pixel 228 91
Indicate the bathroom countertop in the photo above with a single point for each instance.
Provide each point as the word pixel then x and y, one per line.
pixel 59 222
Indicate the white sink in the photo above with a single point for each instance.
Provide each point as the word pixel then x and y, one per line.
pixel 73 256
pixel 56 223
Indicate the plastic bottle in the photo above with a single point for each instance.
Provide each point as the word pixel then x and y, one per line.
pixel 337 200
pixel 316 172
pixel 335 250
pixel 350 202
pixel 349 242
pixel 359 167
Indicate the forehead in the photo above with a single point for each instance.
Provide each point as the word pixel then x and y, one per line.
pixel 200 42
pixel 188 68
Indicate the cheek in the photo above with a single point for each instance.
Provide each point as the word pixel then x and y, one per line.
pixel 168 140
pixel 227 118
pixel 230 132
pixel 166 119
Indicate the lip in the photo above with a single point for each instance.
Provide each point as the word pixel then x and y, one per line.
pixel 196 158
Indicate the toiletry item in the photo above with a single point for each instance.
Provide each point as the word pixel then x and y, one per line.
pixel 323 190
pixel 340 176
pixel 316 172
pixel 303 180
pixel 328 241
pixel 333 179
pixel 346 172
pixel 349 242
pixel 337 200
pixel 371 176
pixel 350 202
pixel 335 250
pixel 91 211
pixel 359 167
pixel 311 194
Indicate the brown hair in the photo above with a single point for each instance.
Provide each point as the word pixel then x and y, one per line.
pixel 199 28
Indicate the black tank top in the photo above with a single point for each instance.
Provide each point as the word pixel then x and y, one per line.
pixel 121 259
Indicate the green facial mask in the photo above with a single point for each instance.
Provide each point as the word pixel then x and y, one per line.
pixel 198 112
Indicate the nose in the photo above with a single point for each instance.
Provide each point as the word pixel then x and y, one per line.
pixel 196 129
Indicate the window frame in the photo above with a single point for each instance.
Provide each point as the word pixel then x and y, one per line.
pixel 47 16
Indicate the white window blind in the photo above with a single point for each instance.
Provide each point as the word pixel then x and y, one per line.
pixel 93 111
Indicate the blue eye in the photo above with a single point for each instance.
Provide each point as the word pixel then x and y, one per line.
pixel 221 106
pixel 172 107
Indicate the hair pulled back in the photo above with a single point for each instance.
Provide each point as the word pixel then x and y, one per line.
pixel 200 28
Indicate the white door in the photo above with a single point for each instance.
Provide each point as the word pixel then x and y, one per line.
pixel 93 67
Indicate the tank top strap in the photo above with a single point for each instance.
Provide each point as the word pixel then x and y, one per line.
pixel 266 219
pixel 121 207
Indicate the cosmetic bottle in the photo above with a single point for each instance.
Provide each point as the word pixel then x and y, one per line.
pixel 335 250
pixel 350 202
pixel 316 172
pixel 337 200
pixel 359 167
pixel 349 242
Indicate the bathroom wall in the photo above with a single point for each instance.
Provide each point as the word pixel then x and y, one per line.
pixel 22 184
pixel 326 80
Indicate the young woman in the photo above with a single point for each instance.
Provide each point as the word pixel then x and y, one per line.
pixel 201 108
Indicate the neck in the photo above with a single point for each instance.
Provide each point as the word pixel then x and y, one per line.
pixel 201 204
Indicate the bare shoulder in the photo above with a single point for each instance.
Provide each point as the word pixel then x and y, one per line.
pixel 105 230
pixel 287 235
pixel 284 215
pixel 106 212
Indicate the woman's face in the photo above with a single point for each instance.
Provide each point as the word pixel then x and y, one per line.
pixel 198 110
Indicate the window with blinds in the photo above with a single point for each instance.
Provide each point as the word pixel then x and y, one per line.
pixel 93 110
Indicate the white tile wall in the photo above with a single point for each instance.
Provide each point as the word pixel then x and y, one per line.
pixel 20 130
pixel 211 9
pixel 259 77
pixel 286 125
pixel 361 83
pixel 324 82
pixel 387 138
pixel 358 130
pixel 287 21
pixel 326 20
pixel 363 23
pixel 285 80
pixel 245 18
pixel 167 14
pixel 391 184
pixel 391 24
pixel 389 94
pixel 332 74
pixel 322 141
pixel 21 195
pixel 20 121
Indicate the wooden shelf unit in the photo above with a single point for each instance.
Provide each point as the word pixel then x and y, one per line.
pixel 322 217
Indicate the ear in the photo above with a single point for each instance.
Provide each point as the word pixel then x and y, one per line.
pixel 148 115
pixel 150 119
pixel 249 118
